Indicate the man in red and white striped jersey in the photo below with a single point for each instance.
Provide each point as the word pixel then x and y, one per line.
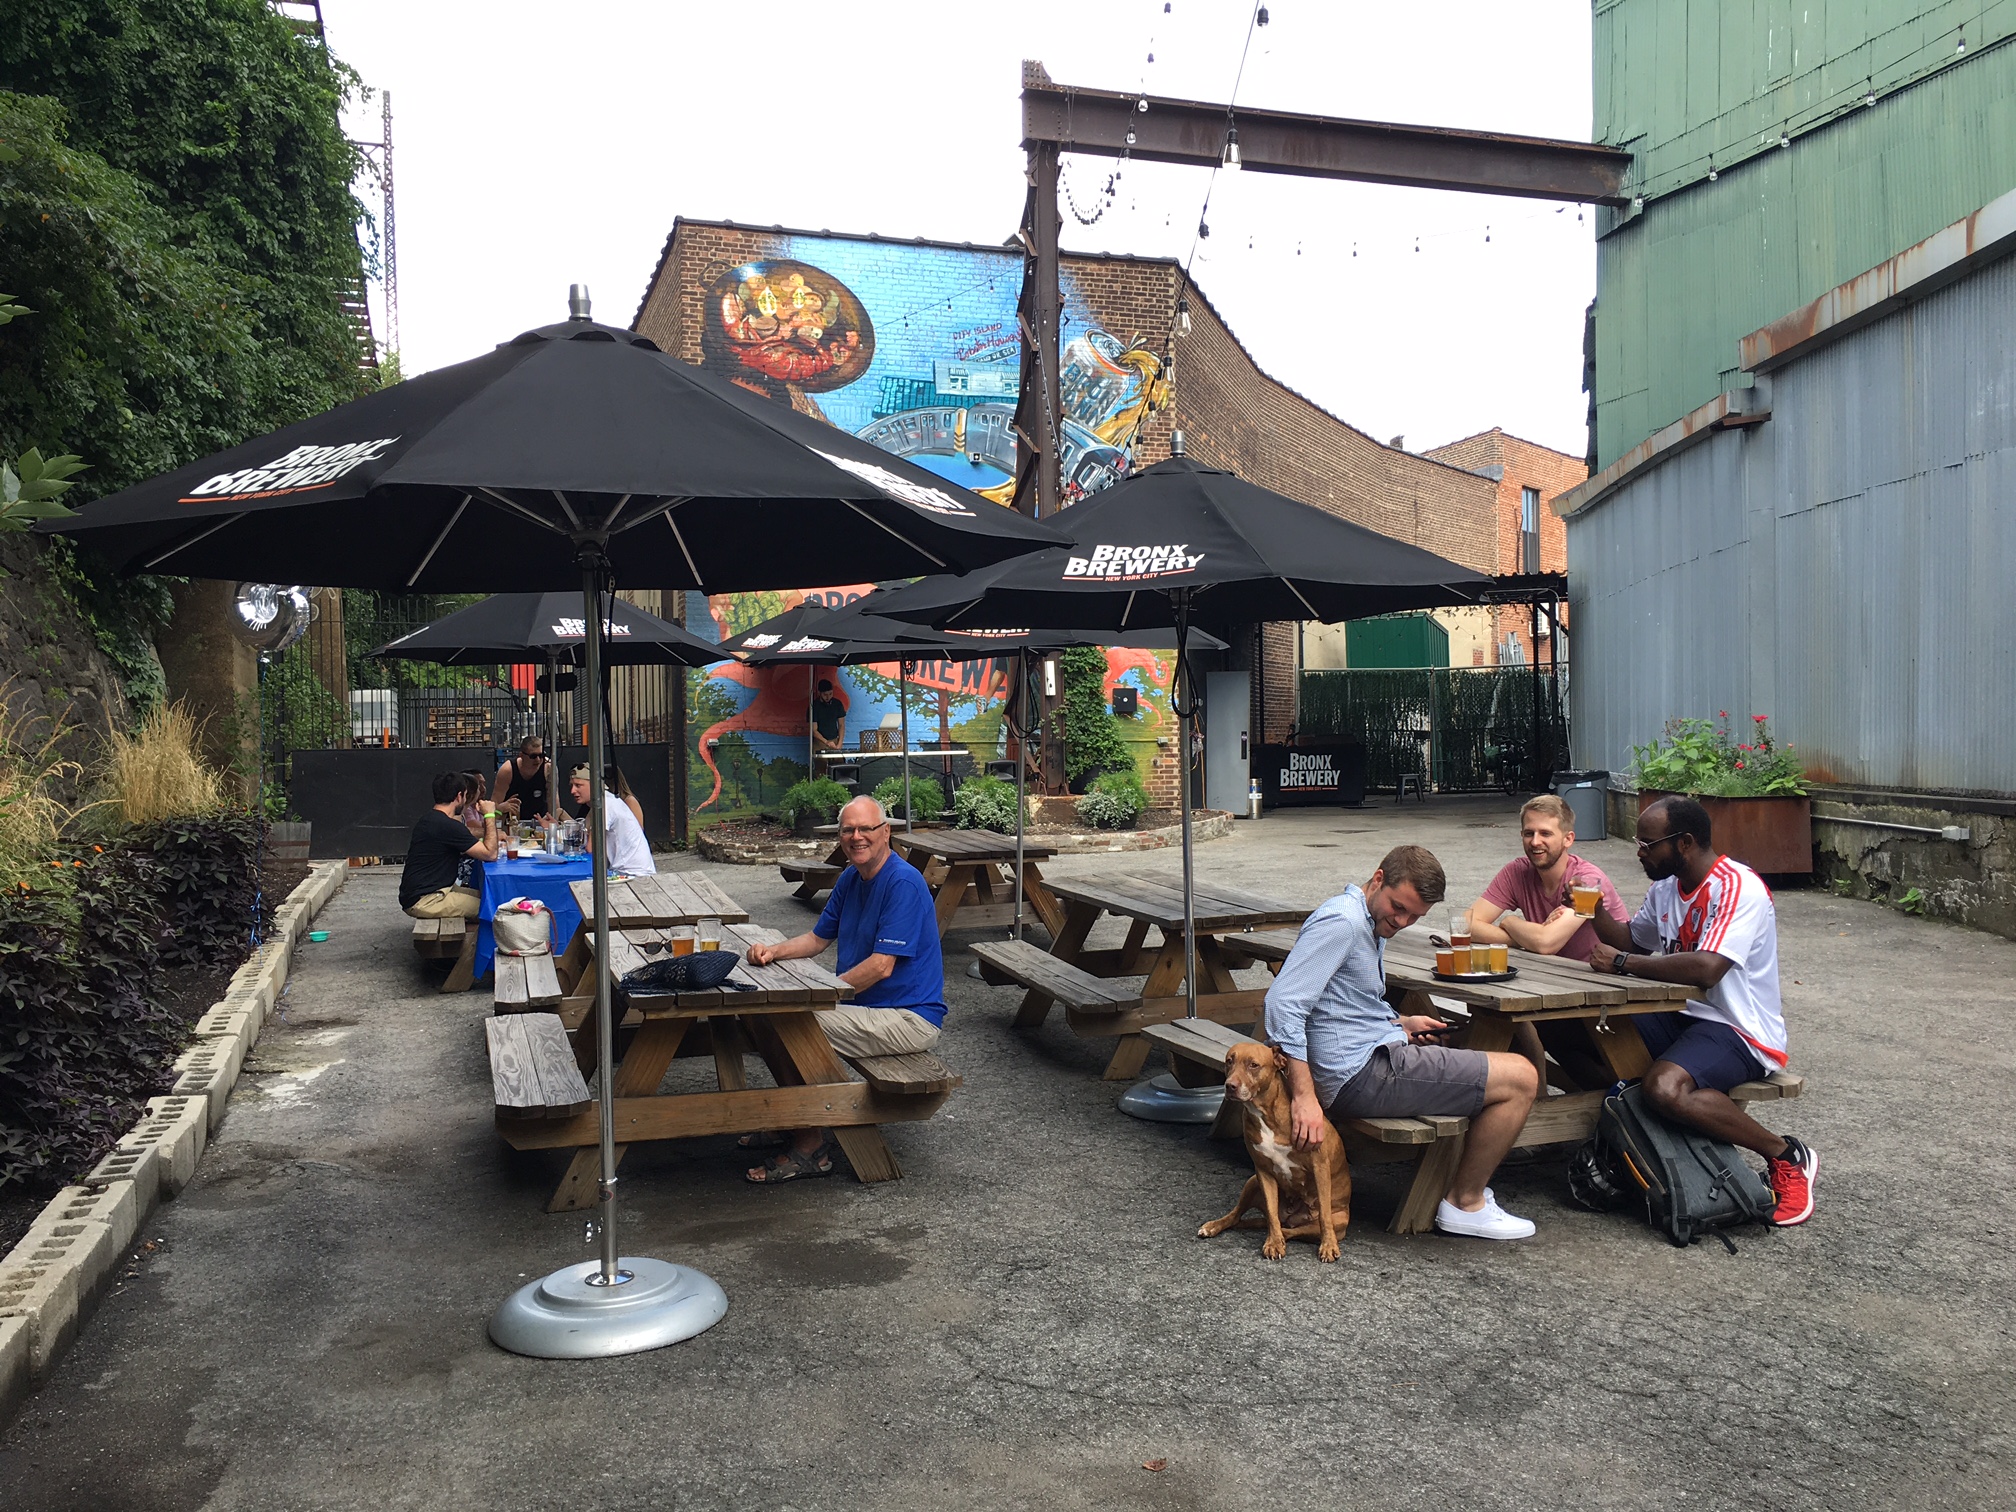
pixel 1708 922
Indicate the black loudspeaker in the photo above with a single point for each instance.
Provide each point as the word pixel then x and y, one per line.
pixel 564 682
pixel 1126 701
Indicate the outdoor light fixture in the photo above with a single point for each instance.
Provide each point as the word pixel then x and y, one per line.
pixel 270 616
pixel 1231 155
pixel 1637 203
pixel 1712 174
pixel 1183 315
pixel 1142 105
pixel 1784 139
pixel 1260 16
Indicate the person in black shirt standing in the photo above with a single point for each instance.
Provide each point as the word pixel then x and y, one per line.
pixel 435 884
pixel 524 785
pixel 829 718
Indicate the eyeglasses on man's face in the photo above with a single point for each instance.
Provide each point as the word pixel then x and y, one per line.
pixel 851 831
pixel 1645 846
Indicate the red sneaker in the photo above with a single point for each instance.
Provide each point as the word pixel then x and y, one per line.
pixel 1791 1177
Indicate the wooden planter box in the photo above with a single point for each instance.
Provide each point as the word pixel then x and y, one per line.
pixel 1765 834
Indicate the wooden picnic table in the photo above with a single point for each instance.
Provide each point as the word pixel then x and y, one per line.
pixel 1221 915
pixel 777 1019
pixel 972 876
pixel 659 901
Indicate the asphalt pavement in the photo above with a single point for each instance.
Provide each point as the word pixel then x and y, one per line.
pixel 1027 1319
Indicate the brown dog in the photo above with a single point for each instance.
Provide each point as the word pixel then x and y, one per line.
pixel 1318 1180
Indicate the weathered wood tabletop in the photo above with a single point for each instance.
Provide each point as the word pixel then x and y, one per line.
pixel 658 901
pixel 972 876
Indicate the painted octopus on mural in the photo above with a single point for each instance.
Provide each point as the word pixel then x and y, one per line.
pixel 777 324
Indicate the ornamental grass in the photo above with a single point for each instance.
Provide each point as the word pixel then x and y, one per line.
pixel 158 771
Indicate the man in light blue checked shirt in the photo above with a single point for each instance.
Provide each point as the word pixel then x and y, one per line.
pixel 1351 1056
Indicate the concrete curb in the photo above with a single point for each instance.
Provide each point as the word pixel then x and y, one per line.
pixel 53 1278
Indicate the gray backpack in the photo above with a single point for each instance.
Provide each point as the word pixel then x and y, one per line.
pixel 1687 1183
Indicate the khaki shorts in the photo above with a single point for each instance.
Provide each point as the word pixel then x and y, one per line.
pixel 877 1031
pixel 1415 1081
pixel 449 903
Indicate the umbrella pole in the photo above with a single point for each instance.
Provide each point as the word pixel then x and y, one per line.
pixel 605 1306
pixel 903 702
pixel 1015 725
pixel 605 1030
pixel 811 723
pixel 1163 1099
pixel 552 701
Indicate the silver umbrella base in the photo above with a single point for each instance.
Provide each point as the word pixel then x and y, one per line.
pixel 564 1317
pixel 1162 1099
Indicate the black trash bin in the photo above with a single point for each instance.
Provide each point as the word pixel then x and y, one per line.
pixel 1585 793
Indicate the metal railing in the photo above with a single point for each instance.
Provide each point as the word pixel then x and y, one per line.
pixel 1468 729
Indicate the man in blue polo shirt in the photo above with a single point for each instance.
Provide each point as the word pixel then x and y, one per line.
pixel 881 912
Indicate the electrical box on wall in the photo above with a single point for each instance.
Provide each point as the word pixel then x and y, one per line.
pixel 1126 702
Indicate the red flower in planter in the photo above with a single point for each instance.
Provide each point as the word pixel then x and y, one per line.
pixel 1760 718
pixel 1721 713
pixel 1739 766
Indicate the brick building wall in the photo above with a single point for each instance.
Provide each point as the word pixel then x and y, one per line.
pixel 1232 413
pixel 1523 464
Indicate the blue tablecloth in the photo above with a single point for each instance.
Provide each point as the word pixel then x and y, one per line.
pixel 524 878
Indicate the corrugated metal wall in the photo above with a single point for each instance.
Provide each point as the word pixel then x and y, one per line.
pixel 1679 283
pixel 1848 568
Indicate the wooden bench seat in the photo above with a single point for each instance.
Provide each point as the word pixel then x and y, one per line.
pixel 439 939
pixel 526 984
pixel 532 1069
pixel 915 1075
pixel 812 877
pixel 1267 947
pixel 1779 1084
pixel 448 940
pixel 1051 980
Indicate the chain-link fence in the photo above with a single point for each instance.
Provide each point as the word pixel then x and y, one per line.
pixel 1466 729
pixel 327 692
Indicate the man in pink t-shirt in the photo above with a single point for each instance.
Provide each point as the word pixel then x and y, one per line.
pixel 1537 886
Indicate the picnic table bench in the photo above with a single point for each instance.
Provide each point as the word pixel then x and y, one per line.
pixel 1081 978
pixel 777 1019
pixel 448 940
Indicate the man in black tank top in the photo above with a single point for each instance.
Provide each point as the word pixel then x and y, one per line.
pixel 526 782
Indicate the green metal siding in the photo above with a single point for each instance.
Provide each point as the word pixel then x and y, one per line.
pixel 1684 82
pixel 1396 640
pixel 1679 282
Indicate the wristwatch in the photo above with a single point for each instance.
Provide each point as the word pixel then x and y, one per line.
pixel 1617 965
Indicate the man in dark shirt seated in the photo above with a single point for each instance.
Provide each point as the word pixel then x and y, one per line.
pixel 882 913
pixel 436 882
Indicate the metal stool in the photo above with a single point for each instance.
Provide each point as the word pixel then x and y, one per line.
pixel 1420 782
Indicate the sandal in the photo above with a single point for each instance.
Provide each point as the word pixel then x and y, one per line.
pixel 762 1139
pixel 790 1165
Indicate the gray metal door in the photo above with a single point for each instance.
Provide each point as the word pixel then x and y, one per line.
pixel 1228 702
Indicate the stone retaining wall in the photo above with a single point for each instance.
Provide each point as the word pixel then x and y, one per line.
pixel 54 1277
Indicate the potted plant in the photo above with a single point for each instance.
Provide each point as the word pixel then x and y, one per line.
pixel 807 805
pixel 1754 789
pixel 985 803
pixel 927 799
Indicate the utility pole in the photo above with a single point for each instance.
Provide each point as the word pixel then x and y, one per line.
pixel 389 238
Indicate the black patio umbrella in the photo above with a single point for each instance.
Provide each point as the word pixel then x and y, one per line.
pixel 512 627
pixel 566 454
pixel 1178 541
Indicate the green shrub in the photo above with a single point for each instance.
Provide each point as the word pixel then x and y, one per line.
pixel 1113 800
pixel 820 795
pixel 1092 740
pixel 926 797
pixel 985 803
pixel 204 871
pixel 1697 757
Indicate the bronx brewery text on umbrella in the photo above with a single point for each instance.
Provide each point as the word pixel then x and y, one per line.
pixel 1178 541
pixel 468 478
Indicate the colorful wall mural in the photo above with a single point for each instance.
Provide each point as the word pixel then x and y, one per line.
pixel 915 349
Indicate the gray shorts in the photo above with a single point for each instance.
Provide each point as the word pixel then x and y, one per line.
pixel 1414 1081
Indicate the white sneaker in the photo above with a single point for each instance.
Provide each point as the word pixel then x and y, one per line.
pixel 1488 1222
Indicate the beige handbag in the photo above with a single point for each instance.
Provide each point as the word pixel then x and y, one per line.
pixel 523 927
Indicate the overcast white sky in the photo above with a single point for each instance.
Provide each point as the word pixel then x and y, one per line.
pixel 539 145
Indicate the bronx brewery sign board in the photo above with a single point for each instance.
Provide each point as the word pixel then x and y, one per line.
pixel 1310 772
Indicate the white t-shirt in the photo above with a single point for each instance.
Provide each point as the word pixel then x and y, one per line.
pixel 1731 914
pixel 629 851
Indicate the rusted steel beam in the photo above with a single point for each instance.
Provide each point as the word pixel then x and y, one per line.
pixel 1278 141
